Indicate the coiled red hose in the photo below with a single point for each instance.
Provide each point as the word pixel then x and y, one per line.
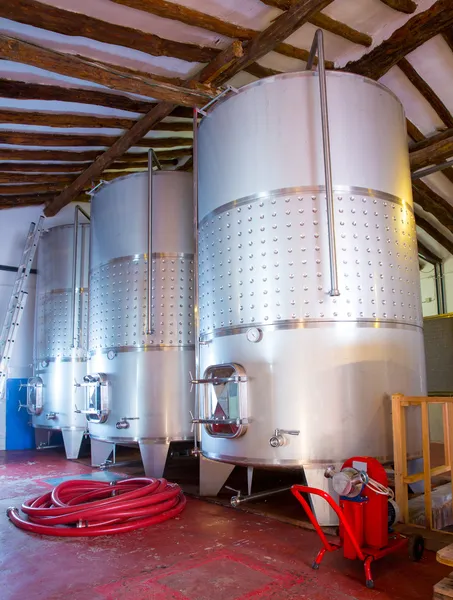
pixel 81 508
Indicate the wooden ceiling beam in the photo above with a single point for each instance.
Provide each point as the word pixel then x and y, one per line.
pixel 14 168
pixel 228 63
pixel 54 119
pixel 447 34
pixel 84 156
pixel 432 150
pixel 415 32
pixel 426 91
pixel 72 23
pixel 404 6
pixel 259 71
pixel 432 203
pixel 20 90
pixel 22 138
pixel 432 231
pixel 414 132
pixel 33 200
pixel 21 51
pixel 319 20
pixel 425 253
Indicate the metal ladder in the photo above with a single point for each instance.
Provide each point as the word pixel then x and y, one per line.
pixel 17 301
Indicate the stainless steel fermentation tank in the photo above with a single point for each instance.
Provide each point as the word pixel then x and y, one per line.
pixel 309 318
pixel 61 327
pixel 141 340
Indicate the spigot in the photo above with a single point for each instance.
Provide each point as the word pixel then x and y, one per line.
pixel 330 472
pixel 123 423
pixel 278 439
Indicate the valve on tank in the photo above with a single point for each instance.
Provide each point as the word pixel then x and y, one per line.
pixel 278 439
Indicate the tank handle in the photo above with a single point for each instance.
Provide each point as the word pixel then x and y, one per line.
pixel 152 159
pixel 78 209
pixel 317 47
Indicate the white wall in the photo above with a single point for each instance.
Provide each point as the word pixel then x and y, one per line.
pixel 14 225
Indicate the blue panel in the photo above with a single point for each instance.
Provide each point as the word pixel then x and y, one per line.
pixel 19 434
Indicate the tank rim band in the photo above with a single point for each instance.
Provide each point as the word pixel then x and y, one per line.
pixel 308 324
pixel 146 348
pixel 316 189
pixel 140 257
pixel 139 440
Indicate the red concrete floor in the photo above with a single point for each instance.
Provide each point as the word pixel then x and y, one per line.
pixel 210 553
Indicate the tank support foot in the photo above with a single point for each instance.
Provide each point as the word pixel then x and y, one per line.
pixel 100 452
pixel 72 440
pixel 314 477
pixel 154 457
pixel 249 480
pixel 42 437
pixel 213 475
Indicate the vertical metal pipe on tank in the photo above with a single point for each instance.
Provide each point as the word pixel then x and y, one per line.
pixel 318 46
pixel 294 375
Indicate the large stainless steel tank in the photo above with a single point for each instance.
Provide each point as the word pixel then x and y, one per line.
pixel 139 390
pixel 61 327
pixel 310 372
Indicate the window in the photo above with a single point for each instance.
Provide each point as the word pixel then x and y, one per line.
pixel 224 400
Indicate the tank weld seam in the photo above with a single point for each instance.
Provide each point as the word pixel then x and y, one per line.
pixel 146 348
pixel 143 257
pixel 338 189
pixel 305 324
pixel 42 295
pixel 51 359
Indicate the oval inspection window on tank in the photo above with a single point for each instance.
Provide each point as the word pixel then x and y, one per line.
pixel 224 402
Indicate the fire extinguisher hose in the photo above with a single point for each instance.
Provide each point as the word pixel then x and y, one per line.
pixel 82 508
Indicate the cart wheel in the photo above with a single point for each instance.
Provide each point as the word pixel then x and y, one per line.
pixel 416 547
pixel 315 566
pixel 370 584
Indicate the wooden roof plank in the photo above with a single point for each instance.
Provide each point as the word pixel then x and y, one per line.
pixel 24 138
pixel 431 202
pixel 319 19
pixel 432 150
pixel 68 120
pixel 434 233
pixel 22 51
pixel 415 32
pixel 404 6
pixel 426 91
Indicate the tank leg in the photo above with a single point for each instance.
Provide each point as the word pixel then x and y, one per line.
pixel 100 452
pixel 154 457
pixel 213 475
pixel 42 437
pixel 72 441
pixel 315 478
pixel 249 480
